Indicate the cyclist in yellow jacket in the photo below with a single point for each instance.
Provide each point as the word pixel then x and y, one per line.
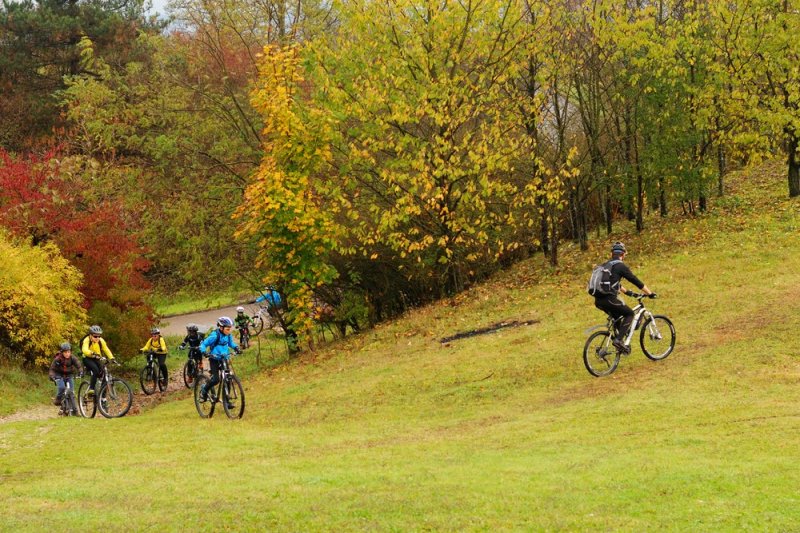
pixel 156 345
pixel 93 347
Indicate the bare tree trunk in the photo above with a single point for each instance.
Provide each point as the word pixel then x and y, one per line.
pixel 794 164
pixel 722 166
pixel 553 239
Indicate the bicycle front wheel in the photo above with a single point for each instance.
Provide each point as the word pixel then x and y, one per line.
pixel 189 373
pixel 657 337
pixel 147 379
pixel 599 355
pixel 233 397
pixel 70 405
pixel 205 406
pixel 115 398
pixel 86 404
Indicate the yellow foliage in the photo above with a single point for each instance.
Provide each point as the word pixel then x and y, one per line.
pixel 40 302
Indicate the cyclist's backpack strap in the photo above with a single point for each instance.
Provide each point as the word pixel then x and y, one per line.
pixel 80 345
pixel 216 339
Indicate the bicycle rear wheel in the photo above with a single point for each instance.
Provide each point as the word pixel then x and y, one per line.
pixel 115 398
pixel 205 408
pixel 233 397
pixel 599 355
pixel 258 324
pixel 86 405
pixel 657 337
pixel 147 379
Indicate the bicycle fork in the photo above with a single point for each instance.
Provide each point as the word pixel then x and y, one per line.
pixel 652 329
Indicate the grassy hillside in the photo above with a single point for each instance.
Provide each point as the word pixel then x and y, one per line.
pixel 391 430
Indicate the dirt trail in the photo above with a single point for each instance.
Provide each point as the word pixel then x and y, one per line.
pixel 140 400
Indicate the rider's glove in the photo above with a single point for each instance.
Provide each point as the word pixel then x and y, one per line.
pixel 238 351
pixel 653 295
pixel 182 347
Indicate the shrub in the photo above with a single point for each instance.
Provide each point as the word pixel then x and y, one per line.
pixel 40 301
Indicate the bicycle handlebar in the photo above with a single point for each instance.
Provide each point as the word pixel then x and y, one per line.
pixel 640 296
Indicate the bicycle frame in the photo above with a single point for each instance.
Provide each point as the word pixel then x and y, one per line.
pixel 640 315
pixel 224 371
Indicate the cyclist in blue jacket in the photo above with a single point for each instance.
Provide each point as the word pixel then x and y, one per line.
pixel 219 343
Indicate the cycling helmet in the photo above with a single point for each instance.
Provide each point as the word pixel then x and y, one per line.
pixel 65 347
pixel 618 248
pixel 240 309
pixel 224 322
pixel 192 328
pixel 95 330
pixel 155 331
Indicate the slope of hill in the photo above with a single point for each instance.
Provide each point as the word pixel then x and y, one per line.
pixel 393 430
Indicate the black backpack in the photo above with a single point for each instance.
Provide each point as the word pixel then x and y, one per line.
pixel 600 282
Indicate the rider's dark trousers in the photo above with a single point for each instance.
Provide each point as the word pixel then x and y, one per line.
pixel 616 308
pixel 162 363
pixel 215 366
pixel 93 367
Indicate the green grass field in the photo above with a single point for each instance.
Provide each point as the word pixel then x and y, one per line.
pixel 391 430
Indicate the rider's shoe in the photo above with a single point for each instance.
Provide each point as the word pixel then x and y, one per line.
pixel 620 345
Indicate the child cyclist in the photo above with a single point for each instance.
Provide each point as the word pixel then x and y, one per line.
pixel 243 322
pixel 93 347
pixel 219 343
pixel 156 345
pixel 193 339
pixel 64 368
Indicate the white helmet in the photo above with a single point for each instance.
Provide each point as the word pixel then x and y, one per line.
pixel 240 309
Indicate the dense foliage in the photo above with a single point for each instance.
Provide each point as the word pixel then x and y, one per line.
pixel 372 156
pixel 40 301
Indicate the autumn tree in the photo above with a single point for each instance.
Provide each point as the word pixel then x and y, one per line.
pixel 38 48
pixel 760 55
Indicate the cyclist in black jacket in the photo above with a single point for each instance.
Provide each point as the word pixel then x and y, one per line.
pixel 193 339
pixel 610 303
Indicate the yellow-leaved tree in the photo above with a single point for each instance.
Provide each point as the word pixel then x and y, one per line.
pixel 395 160
pixel 40 302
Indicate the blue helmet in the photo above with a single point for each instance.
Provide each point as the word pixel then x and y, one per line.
pixel 224 322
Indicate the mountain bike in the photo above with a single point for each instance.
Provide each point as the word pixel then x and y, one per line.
pixel 69 406
pixel 151 376
pixel 228 390
pixel 113 396
pixel 193 366
pixel 244 336
pixel 656 337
